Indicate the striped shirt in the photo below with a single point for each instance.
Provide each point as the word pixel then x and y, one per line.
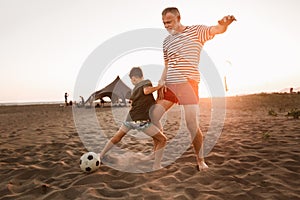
pixel 182 53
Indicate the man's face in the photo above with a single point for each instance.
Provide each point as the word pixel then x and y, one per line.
pixel 171 22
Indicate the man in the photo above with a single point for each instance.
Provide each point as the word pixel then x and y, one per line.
pixel 181 75
pixel 66 98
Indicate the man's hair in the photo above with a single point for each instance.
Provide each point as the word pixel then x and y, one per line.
pixel 136 72
pixel 172 10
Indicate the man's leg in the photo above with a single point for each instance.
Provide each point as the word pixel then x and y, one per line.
pixel 191 117
pixel 159 109
pixel 161 141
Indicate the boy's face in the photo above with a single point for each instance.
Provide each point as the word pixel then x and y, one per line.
pixel 133 80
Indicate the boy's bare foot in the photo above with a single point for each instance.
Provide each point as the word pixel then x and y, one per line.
pixel 202 166
pixel 149 157
pixel 100 157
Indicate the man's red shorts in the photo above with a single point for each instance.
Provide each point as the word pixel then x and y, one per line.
pixel 183 93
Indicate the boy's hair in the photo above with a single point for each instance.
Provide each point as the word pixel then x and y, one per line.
pixel 172 10
pixel 136 72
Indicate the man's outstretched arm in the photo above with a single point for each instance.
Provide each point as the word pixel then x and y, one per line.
pixel 222 25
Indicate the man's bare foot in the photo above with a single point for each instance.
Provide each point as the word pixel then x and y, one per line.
pixel 202 166
pixel 157 167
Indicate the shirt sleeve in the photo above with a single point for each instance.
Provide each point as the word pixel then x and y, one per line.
pixel 147 84
pixel 204 33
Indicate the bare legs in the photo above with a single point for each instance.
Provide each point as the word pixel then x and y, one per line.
pixel 160 143
pixel 191 113
pixel 156 114
pixel 114 140
pixel 152 131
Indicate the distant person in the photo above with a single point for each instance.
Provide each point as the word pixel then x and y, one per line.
pixel 82 101
pixel 181 51
pixel 102 103
pixel 66 98
pixel 138 116
pixel 91 101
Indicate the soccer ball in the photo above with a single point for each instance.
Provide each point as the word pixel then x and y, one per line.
pixel 89 162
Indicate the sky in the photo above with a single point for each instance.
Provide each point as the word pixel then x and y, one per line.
pixel 44 43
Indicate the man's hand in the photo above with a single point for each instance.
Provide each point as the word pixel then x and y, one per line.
pixel 162 90
pixel 225 21
pixel 222 25
pixel 160 93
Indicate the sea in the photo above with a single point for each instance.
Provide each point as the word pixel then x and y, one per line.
pixel 30 103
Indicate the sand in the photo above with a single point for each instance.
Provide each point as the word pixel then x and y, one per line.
pixel 256 157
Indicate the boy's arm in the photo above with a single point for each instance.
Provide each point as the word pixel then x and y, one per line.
pixel 150 89
pixel 222 25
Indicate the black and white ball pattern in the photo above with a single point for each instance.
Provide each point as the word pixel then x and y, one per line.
pixel 89 162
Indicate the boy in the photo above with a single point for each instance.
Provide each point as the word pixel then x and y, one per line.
pixel 138 117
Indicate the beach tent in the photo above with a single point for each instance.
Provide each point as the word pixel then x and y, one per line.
pixel 115 90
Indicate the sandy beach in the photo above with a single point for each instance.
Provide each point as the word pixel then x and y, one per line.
pixel 256 157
